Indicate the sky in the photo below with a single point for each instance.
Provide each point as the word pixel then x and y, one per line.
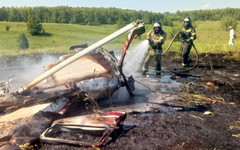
pixel 149 5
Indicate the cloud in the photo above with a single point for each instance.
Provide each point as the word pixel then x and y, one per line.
pixel 206 6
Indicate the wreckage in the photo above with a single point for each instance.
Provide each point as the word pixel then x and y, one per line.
pixel 90 73
pixel 92 130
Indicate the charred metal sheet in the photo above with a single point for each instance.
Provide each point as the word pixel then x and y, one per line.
pixel 91 130
pixel 59 106
pixel 93 65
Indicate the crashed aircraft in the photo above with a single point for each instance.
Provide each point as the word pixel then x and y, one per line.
pixel 92 72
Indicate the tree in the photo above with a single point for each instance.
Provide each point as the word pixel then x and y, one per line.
pixel 3 14
pixel 14 15
pixel 167 22
pixel 22 41
pixel 229 21
pixel 123 19
pixel 34 27
pixel 97 16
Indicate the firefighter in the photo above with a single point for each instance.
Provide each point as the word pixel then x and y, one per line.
pixel 188 36
pixel 156 38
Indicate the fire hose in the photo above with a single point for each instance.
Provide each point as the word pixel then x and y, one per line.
pixel 182 70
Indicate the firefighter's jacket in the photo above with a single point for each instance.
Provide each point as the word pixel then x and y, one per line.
pixel 188 33
pixel 157 39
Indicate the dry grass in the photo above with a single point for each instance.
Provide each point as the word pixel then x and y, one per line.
pixel 191 95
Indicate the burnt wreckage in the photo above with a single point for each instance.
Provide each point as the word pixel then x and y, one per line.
pixel 90 73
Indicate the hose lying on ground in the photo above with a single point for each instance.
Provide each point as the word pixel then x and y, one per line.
pixel 183 70
pixel 145 86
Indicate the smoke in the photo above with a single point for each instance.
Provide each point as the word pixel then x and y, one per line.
pixel 133 61
pixel 19 70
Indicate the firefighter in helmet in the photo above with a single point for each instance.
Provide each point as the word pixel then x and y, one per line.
pixel 188 36
pixel 156 38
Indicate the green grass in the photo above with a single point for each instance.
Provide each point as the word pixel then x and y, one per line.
pixel 212 39
pixel 59 37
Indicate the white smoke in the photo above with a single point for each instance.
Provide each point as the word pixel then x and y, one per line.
pixel 133 61
pixel 24 69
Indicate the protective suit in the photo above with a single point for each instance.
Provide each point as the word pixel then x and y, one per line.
pixel 188 36
pixel 156 38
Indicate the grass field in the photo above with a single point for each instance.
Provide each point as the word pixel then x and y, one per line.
pixel 59 37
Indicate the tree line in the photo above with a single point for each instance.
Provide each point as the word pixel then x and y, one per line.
pixel 203 15
pixel 97 16
pixel 79 15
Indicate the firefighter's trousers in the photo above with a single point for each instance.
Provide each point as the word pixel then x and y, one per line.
pixel 157 55
pixel 186 48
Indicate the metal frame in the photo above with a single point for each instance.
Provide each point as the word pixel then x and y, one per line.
pixel 107 129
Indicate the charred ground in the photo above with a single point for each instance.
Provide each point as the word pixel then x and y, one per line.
pixel 202 112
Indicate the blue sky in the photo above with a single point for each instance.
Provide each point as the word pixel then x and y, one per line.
pixel 150 5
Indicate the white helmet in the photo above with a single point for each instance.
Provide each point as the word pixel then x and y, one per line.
pixel 157 25
pixel 187 20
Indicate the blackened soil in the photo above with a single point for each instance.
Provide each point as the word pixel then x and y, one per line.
pixel 205 113
pixel 215 76
pixel 183 130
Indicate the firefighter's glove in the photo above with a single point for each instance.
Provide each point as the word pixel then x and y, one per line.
pixel 151 41
pixel 154 47
pixel 189 40
pixel 182 34
pixel 159 44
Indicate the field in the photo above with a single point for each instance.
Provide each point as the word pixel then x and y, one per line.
pixel 190 110
pixel 59 37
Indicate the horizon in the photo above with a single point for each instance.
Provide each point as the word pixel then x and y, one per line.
pixel 115 8
pixel 158 6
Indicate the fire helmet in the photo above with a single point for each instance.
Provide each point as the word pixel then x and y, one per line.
pixel 157 25
pixel 187 19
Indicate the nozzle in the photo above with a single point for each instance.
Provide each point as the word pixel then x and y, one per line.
pixel 139 21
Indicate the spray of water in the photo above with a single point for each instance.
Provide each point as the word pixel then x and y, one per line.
pixel 134 60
